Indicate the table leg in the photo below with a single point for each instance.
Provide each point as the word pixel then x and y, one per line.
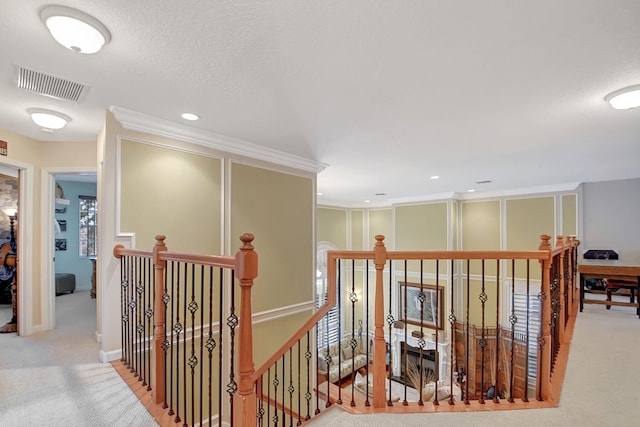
pixel 581 291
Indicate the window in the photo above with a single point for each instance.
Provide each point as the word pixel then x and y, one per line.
pixel 328 332
pixel 88 226
pixel 520 309
pixel 328 325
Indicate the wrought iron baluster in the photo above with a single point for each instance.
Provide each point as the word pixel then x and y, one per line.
pixel 452 321
pixel 483 342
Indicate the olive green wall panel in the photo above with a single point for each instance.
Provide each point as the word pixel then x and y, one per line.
pixel 527 219
pixel 331 226
pixel 165 191
pixel 421 227
pixel 381 222
pixel 357 230
pixel 278 209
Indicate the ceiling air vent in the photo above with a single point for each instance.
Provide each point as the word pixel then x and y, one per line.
pixel 48 85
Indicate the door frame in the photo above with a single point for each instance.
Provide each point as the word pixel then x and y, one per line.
pixel 25 242
pixel 48 295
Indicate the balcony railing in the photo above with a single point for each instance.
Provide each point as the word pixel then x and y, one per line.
pixel 396 331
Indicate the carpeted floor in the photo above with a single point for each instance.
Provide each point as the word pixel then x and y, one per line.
pixel 54 378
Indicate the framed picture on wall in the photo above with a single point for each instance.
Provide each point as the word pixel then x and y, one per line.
pixel 61 244
pixel 427 309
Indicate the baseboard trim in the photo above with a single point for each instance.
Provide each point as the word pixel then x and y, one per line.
pixel 110 356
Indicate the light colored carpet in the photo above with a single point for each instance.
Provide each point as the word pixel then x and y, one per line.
pixel 54 378
pixel 600 386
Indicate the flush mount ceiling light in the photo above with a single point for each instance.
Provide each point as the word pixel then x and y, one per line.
pixel 48 119
pixel 74 29
pixel 624 99
pixel 190 116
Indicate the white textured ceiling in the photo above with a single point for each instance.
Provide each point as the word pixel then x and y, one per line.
pixel 386 92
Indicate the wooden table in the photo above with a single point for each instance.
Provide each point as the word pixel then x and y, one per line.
pixel 610 269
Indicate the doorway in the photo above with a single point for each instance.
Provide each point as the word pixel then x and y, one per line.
pixel 72 272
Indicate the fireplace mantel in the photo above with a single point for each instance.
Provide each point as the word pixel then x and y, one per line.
pixel 398 336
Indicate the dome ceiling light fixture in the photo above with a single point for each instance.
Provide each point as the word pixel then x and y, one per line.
pixel 625 99
pixel 74 29
pixel 48 120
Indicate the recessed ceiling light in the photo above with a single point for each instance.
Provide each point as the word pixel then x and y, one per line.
pixel 435 177
pixel 624 99
pixel 190 116
pixel 320 194
pixel 74 29
pixel 48 119
pixel 367 201
pixel 471 190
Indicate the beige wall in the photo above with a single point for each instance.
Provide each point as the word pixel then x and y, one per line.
pixel 202 200
pixel 162 190
pixel 421 227
pixel 35 159
pixel 331 226
pixel 278 209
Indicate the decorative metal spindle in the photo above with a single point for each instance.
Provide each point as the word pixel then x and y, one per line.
pixel 366 308
pixel 308 356
pixel 232 322
pixel 339 305
pixel 291 388
pixel 452 321
pixel 317 354
pixel 202 340
pixel 172 341
pixel 513 319
pixel 406 338
pixel 269 394
pixel 193 360
pixel 525 398
pixel 497 361
pixel 390 321
pixel 165 342
pixel 421 342
pixel 221 340
pixel 541 341
pixel 185 285
pixel 466 329
pixel 483 341
pixel 123 281
pixel 353 297
pixel 177 327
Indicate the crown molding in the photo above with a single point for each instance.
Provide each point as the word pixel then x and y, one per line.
pixel 140 122
pixel 526 191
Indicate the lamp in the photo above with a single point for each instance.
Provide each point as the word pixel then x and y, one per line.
pixel 48 119
pixel 75 29
pixel 12 214
pixel 624 99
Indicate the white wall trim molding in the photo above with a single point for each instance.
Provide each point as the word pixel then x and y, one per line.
pixel 140 122
pixel 110 356
pixel 277 313
pixel 522 192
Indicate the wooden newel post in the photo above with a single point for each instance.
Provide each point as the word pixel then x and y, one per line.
pixel 244 400
pixel 380 345
pixel 544 341
pixel 158 380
